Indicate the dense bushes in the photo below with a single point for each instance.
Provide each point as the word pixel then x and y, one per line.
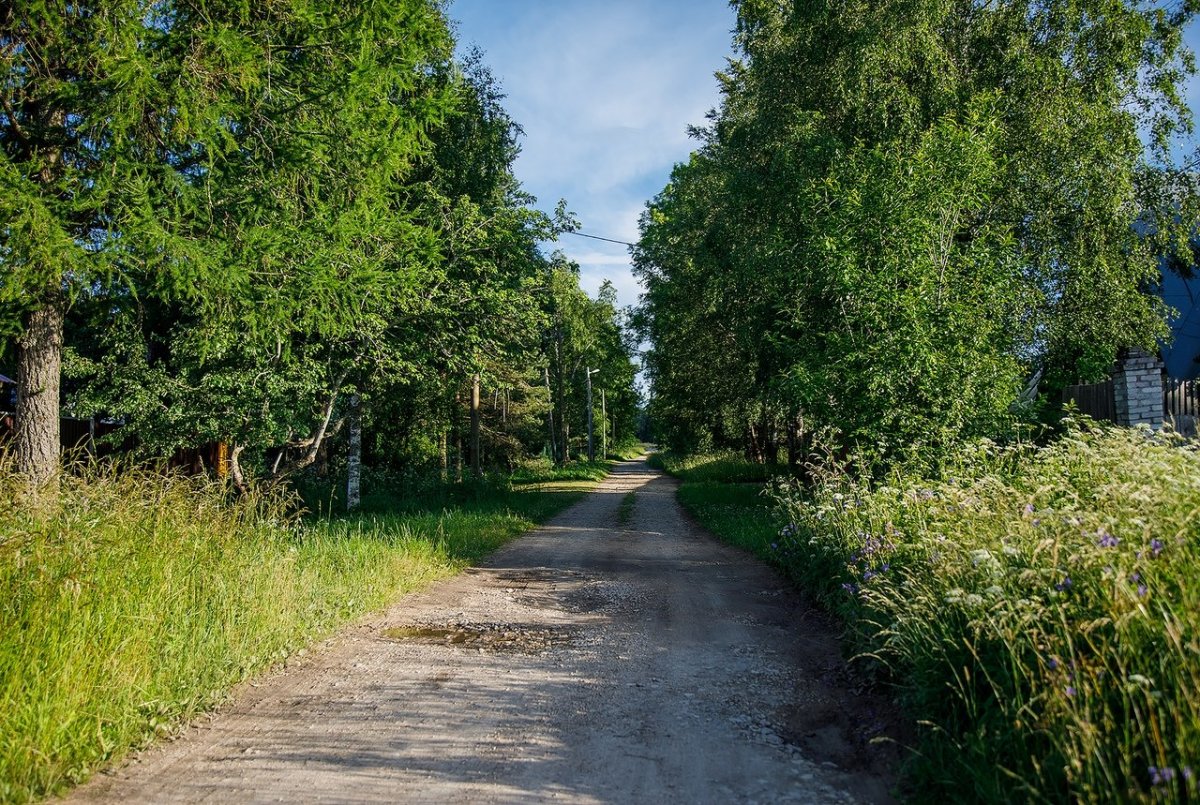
pixel 1037 608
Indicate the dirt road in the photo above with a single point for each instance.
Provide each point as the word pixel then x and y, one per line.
pixel 590 661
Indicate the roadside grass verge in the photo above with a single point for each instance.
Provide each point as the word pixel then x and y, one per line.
pixel 725 493
pixel 627 450
pixel 715 467
pixel 140 600
pixel 543 471
pixel 740 514
pixel 1037 609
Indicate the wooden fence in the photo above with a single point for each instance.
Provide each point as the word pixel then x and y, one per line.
pixel 1181 398
pixel 1094 399
pixel 1181 402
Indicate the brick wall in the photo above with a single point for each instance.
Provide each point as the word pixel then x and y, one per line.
pixel 1138 390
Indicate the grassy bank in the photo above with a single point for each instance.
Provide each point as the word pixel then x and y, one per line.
pixel 1038 609
pixel 725 493
pixel 140 601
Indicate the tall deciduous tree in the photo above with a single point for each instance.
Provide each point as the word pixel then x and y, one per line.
pixel 902 208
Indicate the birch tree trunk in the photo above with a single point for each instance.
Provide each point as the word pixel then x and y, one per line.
pixel 354 457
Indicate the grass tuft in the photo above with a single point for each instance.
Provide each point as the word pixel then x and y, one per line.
pixel 625 510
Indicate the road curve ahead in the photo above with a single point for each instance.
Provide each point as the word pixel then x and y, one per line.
pixel 592 660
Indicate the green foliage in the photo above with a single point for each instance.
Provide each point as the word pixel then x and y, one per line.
pixel 140 600
pixel 545 471
pixel 1036 609
pixel 259 212
pixel 902 210
pixel 628 448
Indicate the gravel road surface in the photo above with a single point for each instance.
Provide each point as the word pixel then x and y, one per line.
pixel 592 660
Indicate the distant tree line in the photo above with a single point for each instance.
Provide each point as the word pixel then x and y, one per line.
pixel 273 225
pixel 907 219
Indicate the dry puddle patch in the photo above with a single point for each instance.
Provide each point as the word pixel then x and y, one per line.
pixel 499 637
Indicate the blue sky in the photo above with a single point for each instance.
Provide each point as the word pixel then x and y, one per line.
pixel 605 90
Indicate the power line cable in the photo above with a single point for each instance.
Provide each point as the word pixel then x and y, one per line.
pixel 597 237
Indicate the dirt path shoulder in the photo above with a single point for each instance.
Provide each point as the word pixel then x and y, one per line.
pixel 601 658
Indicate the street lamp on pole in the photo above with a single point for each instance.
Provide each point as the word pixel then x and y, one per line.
pixel 591 440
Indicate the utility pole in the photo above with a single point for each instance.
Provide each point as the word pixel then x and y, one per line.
pixel 550 418
pixel 476 458
pixel 603 426
pixel 591 442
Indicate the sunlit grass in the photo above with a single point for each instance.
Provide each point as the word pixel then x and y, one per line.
pixel 725 467
pixel 140 600
pixel 738 513
pixel 1037 608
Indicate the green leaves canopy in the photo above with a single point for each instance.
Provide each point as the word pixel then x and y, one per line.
pixel 907 207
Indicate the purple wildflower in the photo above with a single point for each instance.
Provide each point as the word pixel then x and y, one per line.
pixel 1156 547
pixel 1107 540
pixel 1052 663
pixel 1142 590
pixel 1064 585
pixel 1161 775
pixel 1028 510
pixel 1070 692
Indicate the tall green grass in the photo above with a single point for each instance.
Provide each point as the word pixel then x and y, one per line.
pixel 138 601
pixel 725 467
pixel 543 471
pixel 740 514
pixel 1038 609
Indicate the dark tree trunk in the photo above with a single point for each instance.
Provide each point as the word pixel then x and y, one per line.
pixel 39 366
pixel 458 441
pixel 793 444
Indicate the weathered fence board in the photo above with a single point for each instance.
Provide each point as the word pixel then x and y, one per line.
pixel 1097 400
